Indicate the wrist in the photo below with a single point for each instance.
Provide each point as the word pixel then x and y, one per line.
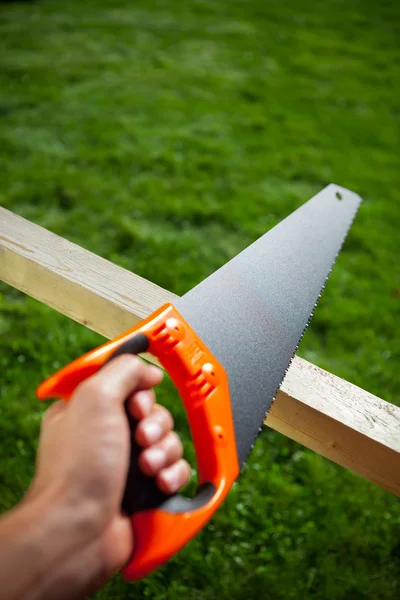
pixel 44 542
pixel 66 510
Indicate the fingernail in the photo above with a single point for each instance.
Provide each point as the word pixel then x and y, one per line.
pixel 155 458
pixel 143 399
pixel 153 432
pixel 170 479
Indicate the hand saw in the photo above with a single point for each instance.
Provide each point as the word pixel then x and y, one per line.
pixel 227 345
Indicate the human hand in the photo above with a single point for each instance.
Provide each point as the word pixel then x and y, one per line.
pixel 83 462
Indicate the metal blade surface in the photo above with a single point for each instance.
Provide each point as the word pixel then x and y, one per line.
pixel 253 311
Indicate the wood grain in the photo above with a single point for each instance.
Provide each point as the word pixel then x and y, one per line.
pixel 321 411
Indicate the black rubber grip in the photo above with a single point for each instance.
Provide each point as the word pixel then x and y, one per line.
pixel 141 491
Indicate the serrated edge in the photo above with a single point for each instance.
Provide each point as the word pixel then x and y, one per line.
pixel 351 221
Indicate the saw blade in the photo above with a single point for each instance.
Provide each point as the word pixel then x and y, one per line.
pixel 253 311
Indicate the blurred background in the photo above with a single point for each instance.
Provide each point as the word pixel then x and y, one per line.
pixel 166 136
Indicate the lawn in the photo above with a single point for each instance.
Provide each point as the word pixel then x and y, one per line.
pixel 166 136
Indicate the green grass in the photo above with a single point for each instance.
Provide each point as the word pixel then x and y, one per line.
pixel 167 136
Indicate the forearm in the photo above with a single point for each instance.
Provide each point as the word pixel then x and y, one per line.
pixel 42 546
pixel 69 537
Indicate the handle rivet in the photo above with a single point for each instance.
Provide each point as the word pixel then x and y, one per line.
pixel 209 373
pixel 175 329
pixel 219 435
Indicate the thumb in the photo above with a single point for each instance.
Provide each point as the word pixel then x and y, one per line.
pixel 111 386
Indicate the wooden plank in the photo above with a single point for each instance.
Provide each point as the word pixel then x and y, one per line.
pixel 321 411
pixel 340 421
pixel 74 281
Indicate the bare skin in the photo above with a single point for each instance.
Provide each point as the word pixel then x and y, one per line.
pixel 68 537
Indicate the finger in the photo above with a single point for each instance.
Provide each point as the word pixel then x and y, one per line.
pixel 154 427
pixel 164 454
pixel 141 403
pixel 116 381
pixel 171 479
pixel 52 413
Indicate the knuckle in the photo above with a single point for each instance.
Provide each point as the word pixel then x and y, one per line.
pixel 108 391
pixel 88 387
pixel 130 362
pixel 96 390
pixel 47 416
pixel 186 469
pixel 46 420
pixel 51 413
pixel 174 441
pixel 164 415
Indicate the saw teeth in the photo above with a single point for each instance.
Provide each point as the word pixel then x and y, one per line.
pixel 303 332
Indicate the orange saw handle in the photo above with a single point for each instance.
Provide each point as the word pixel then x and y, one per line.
pixel 163 524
